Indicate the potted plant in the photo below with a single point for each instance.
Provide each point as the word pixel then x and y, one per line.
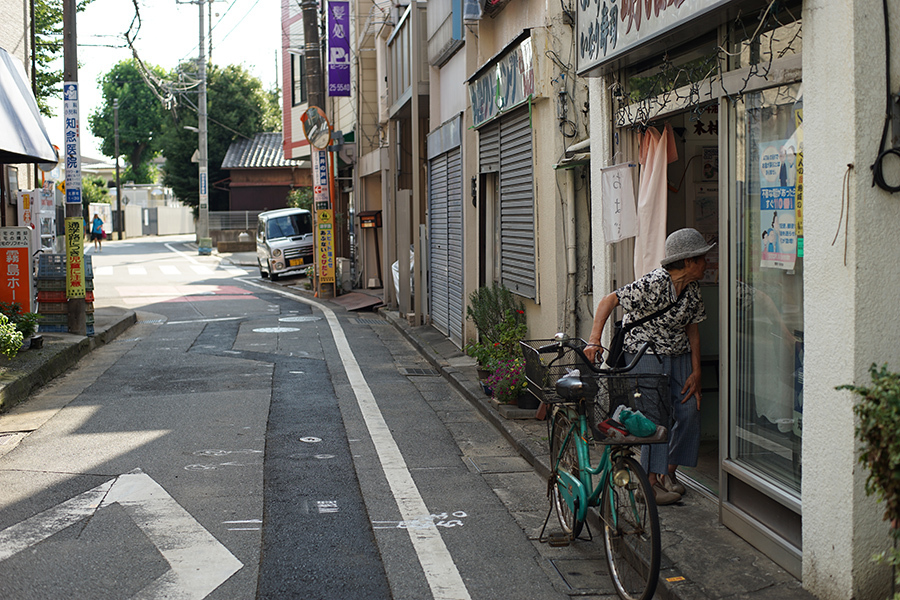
pixel 26 323
pixel 500 321
pixel 10 337
pixel 878 412
pixel 508 380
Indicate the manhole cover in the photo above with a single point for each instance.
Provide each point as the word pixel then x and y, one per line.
pixel 275 330
pixel 418 371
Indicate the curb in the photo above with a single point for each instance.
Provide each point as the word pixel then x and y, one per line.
pixel 62 350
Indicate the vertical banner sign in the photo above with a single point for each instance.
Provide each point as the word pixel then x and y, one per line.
pixel 338 48
pixel 619 213
pixel 72 143
pixel 29 215
pixel 15 261
pixel 777 192
pixel 798 122
pixel 204 187
pixel 324 252
pixel 74 257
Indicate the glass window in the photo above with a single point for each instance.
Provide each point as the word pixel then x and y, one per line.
pixel 289 226
pixel 768 286
pixel 298 80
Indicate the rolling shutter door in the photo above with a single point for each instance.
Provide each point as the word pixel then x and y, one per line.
pixel 446 247
pixel 517 255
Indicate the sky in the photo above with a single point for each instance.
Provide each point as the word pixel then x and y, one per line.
pixel 246 32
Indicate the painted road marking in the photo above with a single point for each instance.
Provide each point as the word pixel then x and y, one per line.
pixel 103 271
pixel 275 329
pixel 440 571
pixel 426 522
pixel 136 270
pixel 198 562
pixel 170 270
pixel 201 270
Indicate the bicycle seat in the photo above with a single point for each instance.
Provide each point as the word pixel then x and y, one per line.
pixel 575 387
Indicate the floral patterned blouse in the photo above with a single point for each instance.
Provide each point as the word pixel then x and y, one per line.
pixel 651 293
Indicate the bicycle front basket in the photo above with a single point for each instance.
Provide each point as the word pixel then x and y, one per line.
pixel 647 393
pixel 542 370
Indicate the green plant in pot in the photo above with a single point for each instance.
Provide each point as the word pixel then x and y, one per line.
pixel 500 321
pixel 878 412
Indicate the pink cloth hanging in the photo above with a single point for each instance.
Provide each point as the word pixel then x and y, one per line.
pixel 657 151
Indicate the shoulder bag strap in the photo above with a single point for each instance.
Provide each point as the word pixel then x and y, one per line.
pixel 658 313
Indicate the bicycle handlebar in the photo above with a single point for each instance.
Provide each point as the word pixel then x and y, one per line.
pixel 558 345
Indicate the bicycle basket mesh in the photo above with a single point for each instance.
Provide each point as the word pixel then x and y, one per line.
pixel 542 370
pixel 644 392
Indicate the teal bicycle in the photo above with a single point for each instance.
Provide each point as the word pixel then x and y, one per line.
pixel 583 404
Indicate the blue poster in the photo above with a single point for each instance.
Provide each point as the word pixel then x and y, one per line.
pixel 777 204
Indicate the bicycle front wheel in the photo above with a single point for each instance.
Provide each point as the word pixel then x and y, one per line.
pixel 564 457
pixel 631 535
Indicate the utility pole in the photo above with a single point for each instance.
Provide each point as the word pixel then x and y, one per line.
pixel 119 226
pixel 315 86
pixel 204 241
pixel 75 272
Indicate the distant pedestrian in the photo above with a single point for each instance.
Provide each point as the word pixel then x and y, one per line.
pixel 97 232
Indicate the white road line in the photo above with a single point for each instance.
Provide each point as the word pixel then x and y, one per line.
pixel 137 270
pixel 184 255
pixel 437 563
pixel 198 562
pixel 234 272
pixel 103 271
pixel 170 270
pixel 201 269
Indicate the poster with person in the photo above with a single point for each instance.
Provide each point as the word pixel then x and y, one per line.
pixel 777 210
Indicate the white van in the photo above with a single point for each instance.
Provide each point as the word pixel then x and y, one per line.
pixel 284 242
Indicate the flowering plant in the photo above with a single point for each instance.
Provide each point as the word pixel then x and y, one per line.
pixel 508 380
pixel 501 342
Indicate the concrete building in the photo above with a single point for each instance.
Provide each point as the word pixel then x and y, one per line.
pixel 776 111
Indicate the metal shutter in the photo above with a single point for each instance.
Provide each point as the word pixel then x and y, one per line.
pixel 489 147
pixel 455 301
pixel 446 248
pixel 517 254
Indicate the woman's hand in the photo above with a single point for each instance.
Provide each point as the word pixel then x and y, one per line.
pixel 592 351
pixel 692 387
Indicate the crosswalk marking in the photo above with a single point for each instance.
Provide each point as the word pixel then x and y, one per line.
pixel 173 270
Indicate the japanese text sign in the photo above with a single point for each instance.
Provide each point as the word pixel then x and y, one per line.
pixel 505 84
pixel 75 287
pixel 338 48
pixel 325 245
pixel 72 143
pixel 619 213
pixel 15 264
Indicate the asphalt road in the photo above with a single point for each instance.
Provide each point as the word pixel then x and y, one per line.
pixel 244 441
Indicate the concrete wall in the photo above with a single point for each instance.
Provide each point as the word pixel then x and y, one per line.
pixel 175 220
pixel 14 31
pixel 850 311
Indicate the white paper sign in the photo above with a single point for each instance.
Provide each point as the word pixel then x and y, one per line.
pixel 619 214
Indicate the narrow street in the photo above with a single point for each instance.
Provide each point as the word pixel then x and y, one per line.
pixel 243 441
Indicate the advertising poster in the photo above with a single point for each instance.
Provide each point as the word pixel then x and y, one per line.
pixel 15 261
pixel 338 48
pixel 777 194
pixel 75 286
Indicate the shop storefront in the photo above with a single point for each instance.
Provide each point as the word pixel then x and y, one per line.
pixel 721 102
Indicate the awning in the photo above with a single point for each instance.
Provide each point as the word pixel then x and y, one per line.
pixel 23 138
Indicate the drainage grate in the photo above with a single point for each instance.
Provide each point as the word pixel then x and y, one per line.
pixel 371 321
pixel 417 371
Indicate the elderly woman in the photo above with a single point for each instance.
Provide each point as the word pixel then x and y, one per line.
pixel 676 340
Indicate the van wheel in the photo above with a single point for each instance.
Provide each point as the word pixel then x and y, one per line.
pixel 262 273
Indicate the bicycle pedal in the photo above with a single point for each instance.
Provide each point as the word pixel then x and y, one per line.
pixel 558 539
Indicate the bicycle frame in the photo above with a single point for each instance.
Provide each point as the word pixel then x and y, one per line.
pixel 580 493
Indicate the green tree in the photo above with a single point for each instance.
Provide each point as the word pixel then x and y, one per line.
pixel 237 107
pixel 93 190
pixel 140 118
pixel 48 50
pixel 301 197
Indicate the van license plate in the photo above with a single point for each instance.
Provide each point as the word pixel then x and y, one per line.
pixel 295 261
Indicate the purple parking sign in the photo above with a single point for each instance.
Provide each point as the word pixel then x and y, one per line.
pixel 338 48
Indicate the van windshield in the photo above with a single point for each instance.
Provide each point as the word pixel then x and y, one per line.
pixel 289 226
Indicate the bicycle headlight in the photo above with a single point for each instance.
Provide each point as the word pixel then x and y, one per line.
pixel 621 477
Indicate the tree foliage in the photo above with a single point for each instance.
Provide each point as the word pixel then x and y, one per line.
pixel 48 50
pixel 237 107
pixel 301 197
pixel 94 191
pixel 141 119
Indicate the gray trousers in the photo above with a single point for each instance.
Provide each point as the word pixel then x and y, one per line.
pixel 684 438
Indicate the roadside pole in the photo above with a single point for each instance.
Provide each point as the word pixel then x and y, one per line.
pixel 74 226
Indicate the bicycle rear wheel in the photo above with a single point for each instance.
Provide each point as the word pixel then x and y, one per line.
pixel 631 535
pixel 563 450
